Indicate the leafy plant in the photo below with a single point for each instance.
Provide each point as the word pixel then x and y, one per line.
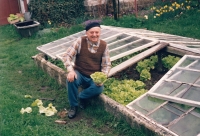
pixel 15 18
pixel 169 61
pixel 174 9
pixel 58 12
pixel 99 77
pixel 144 67
pixel 123 91
pixel 145 75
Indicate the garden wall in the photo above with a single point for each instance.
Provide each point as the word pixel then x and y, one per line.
pixel 98 8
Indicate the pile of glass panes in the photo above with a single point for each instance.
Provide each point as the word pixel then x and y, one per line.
pixel 174 100
pixel 120 44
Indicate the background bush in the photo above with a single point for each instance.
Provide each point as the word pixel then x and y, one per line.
pixel 56 12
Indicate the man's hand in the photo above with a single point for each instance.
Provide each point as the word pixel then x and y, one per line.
pixel 71 76
pixel 99 84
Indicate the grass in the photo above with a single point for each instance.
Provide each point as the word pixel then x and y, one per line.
pixel 20 76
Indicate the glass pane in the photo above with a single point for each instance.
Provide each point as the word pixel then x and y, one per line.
pixel 117 38
pixel 126 41
pixel 179 89
pixel 173 109
pixel 163 116
pixel 192 94
pixel 146 104
pixel 196 112
pixel 186 76
pixel 104 31
pixel 108 34
pixel 78 35
pixel 182 107
pixel 166 87
pixel 57 48
pixel 196 66
pixel 198 82
pixel 137 108
pixel 128 48
pixel 186 62
pixel 187 126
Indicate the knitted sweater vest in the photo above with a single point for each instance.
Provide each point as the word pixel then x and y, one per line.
pixel 87 62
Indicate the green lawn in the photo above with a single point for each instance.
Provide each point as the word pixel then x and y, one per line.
pixel 19 76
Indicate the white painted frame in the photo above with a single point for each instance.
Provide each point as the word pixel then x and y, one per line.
pixel 174 98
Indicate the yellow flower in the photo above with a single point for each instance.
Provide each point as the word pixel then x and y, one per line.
pixel 145 16
pixel 158 15
pixel 188 7
pixel 49 22
pixel 165 6
pixel 157 10
pixel 178 5
pixel 170 8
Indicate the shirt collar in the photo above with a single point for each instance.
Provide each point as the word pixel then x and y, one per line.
pixel 93 44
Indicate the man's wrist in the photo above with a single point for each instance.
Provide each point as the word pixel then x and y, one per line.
pixel 70 69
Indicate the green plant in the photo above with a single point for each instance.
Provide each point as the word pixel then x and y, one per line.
pixel 145 75
pixel 99 77
pixel 144 67
pixel 169 61
pixel 174 9
pixel 15 18
pixel 123 91
pixel 58 12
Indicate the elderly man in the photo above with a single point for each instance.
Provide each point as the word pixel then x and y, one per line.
pixel 91 55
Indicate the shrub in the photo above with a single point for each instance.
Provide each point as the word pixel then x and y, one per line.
pixel 56 12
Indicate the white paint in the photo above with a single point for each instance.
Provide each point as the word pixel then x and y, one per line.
pixel 22 6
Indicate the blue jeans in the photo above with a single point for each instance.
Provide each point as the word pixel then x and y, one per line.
pixel 90 89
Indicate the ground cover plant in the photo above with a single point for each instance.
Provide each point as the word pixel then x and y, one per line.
pixel 19 77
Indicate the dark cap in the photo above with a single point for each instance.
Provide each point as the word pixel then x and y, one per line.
pixel 92 24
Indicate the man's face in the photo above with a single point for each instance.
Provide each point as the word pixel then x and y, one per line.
pixel 93 34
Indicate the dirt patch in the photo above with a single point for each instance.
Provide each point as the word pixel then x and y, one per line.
pixel 131 73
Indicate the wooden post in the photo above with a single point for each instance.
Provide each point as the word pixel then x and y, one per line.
pixel 136 8
pixel 115 9
pixel 160 66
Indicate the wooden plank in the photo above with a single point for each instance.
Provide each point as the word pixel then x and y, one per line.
pixel 188 69
pixel 181 50
pixel 191 84
pixel 137 58
pixel 175 99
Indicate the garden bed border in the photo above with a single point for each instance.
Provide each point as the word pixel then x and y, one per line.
pixel 136 120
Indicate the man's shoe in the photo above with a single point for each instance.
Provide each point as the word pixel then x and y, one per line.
pixel 82 103
pixel 72 112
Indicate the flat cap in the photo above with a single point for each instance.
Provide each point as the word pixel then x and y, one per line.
pixel 92 24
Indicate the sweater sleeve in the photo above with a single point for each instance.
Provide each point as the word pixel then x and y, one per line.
pixel 106 63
